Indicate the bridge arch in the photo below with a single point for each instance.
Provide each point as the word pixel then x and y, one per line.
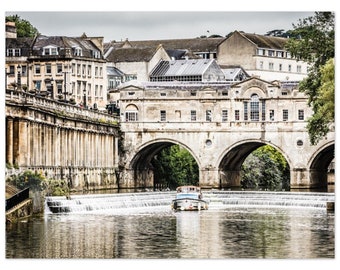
pixel 319 163
pixel 140 168
pixel 231 160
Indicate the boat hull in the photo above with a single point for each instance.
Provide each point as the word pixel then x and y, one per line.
pixel 188 204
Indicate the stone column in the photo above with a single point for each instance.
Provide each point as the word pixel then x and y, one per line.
pixel 9 140
pixel 20 142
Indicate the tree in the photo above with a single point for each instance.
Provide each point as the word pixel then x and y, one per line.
pixel 174 166
pixel 324 106
pixel 24 27
pixel 315 45
pixel 265 168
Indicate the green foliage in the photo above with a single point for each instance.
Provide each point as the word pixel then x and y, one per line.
pixel 27 179
pixel 324 104
pixel 56 187
pixel 265 168
pixel 24 27
pixel 38 182
pixel 316 45
pixel 174 166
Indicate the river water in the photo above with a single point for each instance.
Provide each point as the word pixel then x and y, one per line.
pixel 154 231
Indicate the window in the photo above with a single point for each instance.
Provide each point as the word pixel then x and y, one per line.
pixel 298 69
pixel 301 115
pixel 289 68
pixel 193 116
pixel 208 115
pixel 271 53
pixel 37 85
pixel 89 70
pixel 237 115
pixel 271 66
pixel 78 69
pixel 59 87
pixel 280 67
pixel 224 115
pixel 73 68
pixel 13 52
pixel 254 108
pixel 271 115
pixel 24 70
pixel 279 54
pixel 11 70
pixel 131 116
pixel 77 51
pixel 96 90
pixel 261 52
pixel 59 68
pixel 37 69
pixel 285 115
pixel 245 110
pixel 84 70
pixel 261 64
pixel 163 116
pixel 263 110
pixel 50 50
pixel 48 69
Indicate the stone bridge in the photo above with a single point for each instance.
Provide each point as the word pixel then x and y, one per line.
pixel 220 125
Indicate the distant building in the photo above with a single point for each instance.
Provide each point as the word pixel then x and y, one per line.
pixel 71 69
pixel 17 71
pixel 191 70
pixel 190 48
pixel 263 56
pixel 136 63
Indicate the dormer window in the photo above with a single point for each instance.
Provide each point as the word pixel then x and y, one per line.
pixel 50 50
pixel 78 51
pixel 96 54
pixel 13 52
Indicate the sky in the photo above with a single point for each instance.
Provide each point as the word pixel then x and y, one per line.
pixel 145 25
pixel 154 19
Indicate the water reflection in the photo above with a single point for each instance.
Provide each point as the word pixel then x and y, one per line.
pixel 161 233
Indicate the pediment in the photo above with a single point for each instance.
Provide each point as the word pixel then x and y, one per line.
pixel 251 86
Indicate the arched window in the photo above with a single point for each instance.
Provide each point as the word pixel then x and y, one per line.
pixel 131 113
pixel 254 108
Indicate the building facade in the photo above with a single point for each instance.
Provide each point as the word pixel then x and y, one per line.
pixel 69 69
pixel 263 56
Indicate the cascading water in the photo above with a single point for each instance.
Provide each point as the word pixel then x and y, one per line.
pixel 217 200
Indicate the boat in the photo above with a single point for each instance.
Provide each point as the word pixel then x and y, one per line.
pixel 189 198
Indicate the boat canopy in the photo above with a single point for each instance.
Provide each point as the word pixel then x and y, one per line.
pixel 188 189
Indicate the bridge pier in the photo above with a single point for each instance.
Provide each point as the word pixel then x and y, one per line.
pixel 304 178
pixel 209 178
pixel 230 179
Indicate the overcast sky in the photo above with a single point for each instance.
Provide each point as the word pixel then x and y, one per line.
pixel 157 25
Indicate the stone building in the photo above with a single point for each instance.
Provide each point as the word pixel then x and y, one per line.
pixel 263 56
pixel 136 63
pixel 71 69
pixel 191 48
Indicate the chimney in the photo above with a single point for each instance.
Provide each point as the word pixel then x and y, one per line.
pixel 11 30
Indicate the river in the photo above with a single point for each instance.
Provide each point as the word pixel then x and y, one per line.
pixel 154 231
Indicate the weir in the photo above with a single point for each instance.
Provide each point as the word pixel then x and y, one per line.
pixel 109 203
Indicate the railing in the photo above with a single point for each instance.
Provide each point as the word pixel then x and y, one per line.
pixel 17 198
pixel 52 104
